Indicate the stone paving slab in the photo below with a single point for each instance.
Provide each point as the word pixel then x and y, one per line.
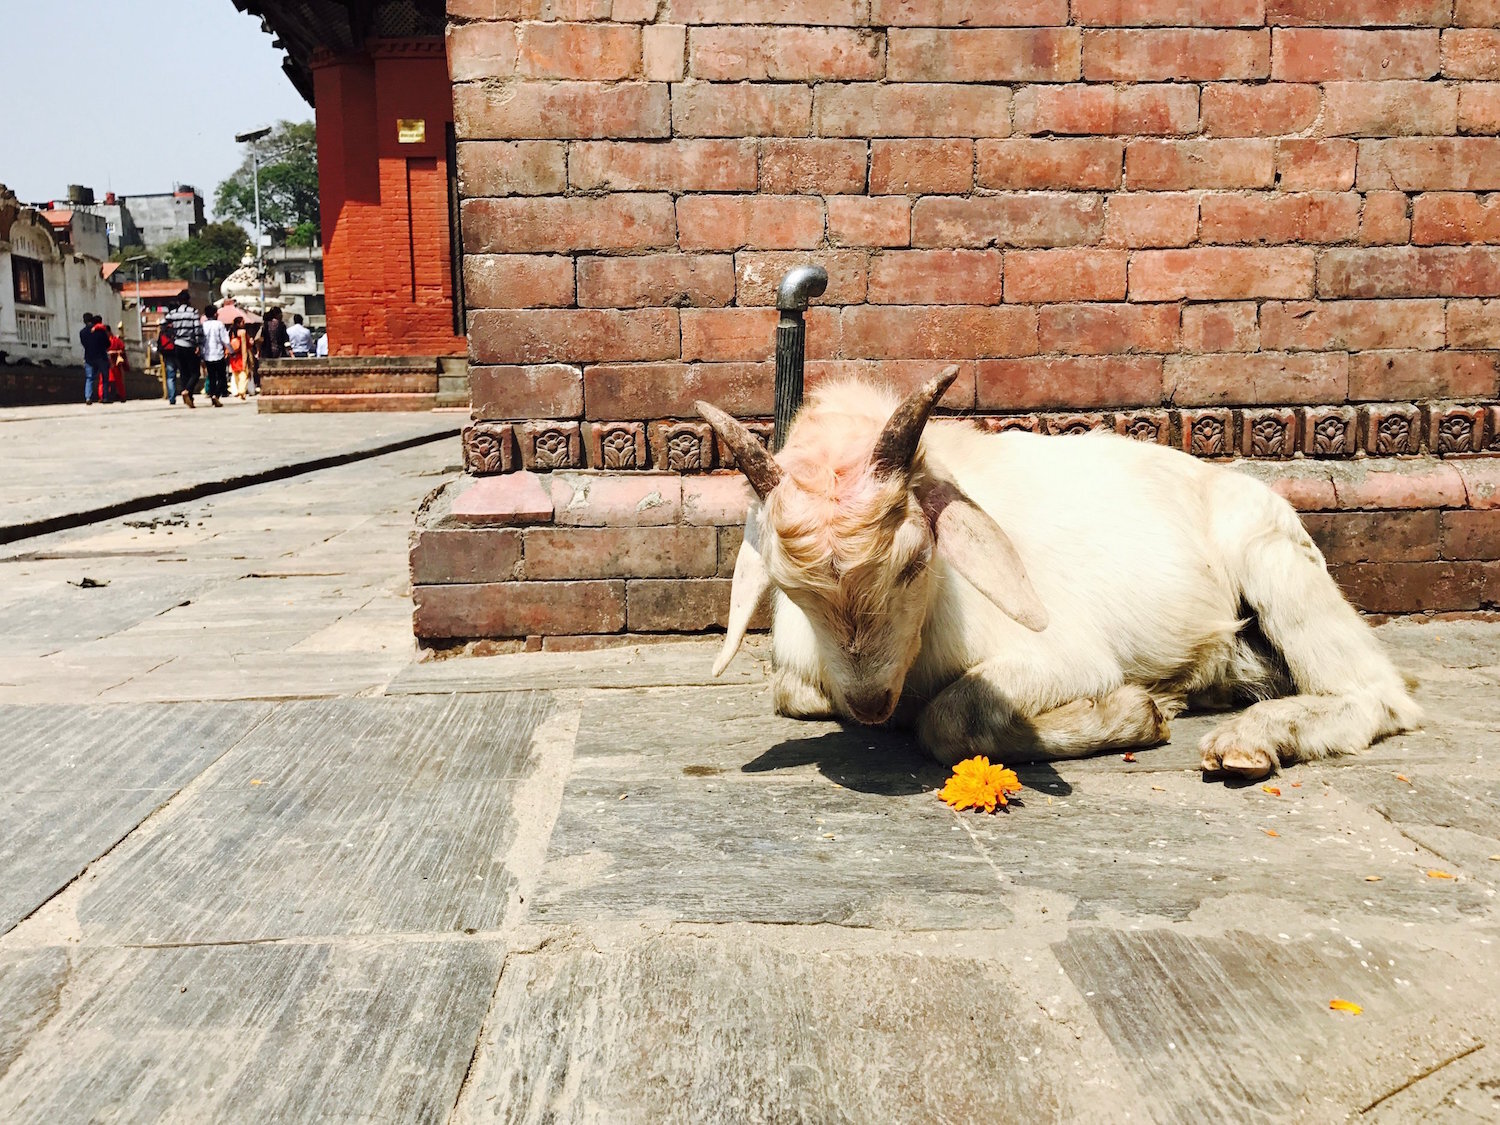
pixel 681 663
pixel 61 462
pixel 747 1024
pixel 687 909
pixel 78 780
pixel 247 1033
pixel 333 817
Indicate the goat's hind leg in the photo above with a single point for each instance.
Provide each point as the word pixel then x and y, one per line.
pixel 972 717
pixel 1350 694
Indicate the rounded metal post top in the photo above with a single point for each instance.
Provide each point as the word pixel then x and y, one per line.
pixel 800 286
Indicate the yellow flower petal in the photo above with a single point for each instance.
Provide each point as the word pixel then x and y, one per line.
pixel 1345 1006
pixel 976 784
pixel 1436 874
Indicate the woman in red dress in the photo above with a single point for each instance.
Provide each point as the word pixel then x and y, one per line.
pixel 118 364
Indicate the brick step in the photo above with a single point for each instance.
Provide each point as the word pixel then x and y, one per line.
pixel 333 403
pixel 374 382
pixel 588 553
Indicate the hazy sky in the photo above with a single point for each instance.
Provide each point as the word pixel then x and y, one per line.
pixel 133 95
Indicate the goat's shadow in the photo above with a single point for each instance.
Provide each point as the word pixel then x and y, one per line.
pixel 883 761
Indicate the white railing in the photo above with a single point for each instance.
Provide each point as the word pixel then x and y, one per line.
pixel 34 329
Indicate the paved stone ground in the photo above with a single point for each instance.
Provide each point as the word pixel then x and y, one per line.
pixel 63 461
pixel 258 862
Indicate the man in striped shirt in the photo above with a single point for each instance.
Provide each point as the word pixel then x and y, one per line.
pixel 186 329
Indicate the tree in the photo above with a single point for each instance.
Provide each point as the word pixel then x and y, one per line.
pixel 216 251
pixel 288 182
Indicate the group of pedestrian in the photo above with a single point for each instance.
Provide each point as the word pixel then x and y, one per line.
pixel 104 362
pixel 196 345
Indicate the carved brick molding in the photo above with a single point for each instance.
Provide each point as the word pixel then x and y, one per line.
pixel 1391 430
pixel 1153 426
pixel 1330 431
pixel 1059 425
pixel 1269 432
pixel 762 430
pixel 550 445
pixel 616 445
pixel 683 447
pixel 489 448
pixel 1207 433
pixel 1455 429
pixel 1382 429
pixel 1029 423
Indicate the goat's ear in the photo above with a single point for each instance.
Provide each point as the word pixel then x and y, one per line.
pixel 973 544
pixel 751 584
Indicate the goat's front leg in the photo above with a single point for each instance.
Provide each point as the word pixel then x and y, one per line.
pixel 973 716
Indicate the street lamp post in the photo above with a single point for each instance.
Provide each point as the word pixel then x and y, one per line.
pixel 260 264
pixel 140 313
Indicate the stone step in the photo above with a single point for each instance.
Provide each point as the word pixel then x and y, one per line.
pixel 336 403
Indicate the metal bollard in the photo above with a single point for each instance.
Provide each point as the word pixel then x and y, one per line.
pixel 797 288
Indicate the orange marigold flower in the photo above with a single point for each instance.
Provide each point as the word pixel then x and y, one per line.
pixel 976 784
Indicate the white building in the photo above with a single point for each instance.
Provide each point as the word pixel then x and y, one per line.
pixel 45 288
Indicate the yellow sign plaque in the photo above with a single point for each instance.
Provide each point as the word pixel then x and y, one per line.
pixel 411 130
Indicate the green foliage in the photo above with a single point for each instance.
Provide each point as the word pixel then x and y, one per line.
pixel 125 253
pixel 216 251
pixel 288 183
pixel 303 234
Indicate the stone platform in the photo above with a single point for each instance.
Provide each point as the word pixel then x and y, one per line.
pixel 567 555
pixel 70 464
pixel 264 863
pixel 340 384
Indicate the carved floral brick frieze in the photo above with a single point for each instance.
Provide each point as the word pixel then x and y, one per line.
pixel 1391 430
pixel 616 445
pixel 1268 432
pixel 1154 426
pixel 550 445
pixel 1061 425
pixel 1384 429
pixel 1455 429
pixel 489 448
pixel 762 430
pixel 682 447
pixel 1330 431
pixel 1207 433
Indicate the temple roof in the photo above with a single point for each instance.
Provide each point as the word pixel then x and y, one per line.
pixel 303 27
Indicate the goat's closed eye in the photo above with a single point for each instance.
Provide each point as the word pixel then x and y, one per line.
pixel 915 566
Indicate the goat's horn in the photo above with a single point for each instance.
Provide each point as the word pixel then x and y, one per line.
pixel 897 444
pixel 760 470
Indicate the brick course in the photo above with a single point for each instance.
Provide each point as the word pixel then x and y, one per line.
pixel 1131 213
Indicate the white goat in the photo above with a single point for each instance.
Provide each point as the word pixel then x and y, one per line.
pixel 1036 597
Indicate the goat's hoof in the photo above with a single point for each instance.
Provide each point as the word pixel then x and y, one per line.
pixel 1248 763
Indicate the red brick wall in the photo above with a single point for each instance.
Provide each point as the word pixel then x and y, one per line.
pixel 1245 227
pixel 1195 202
pixel 386 271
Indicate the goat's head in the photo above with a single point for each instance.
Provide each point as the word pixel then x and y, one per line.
pixel 852 518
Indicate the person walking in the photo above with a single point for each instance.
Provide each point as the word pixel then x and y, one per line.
pixel 95 359
pixel 118 364
pixel 215 354
pixel 239 357
pixel 187 340
pixel 299 338
pixel 168 357
pixel 273 336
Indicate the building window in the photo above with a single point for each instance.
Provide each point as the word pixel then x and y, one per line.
pixel 313 306
pixel 30 287
pixel 294 277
